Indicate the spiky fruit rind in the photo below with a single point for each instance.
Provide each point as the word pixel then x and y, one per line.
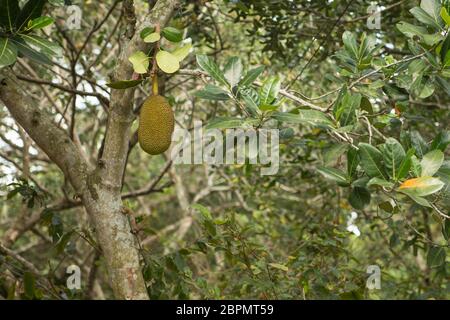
pixel 156 125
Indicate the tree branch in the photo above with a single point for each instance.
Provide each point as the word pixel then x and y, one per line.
pixel 40 126
pixel 303 102
pixel 7 252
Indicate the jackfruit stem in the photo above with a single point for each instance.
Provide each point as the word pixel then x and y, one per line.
pixel 155 90
pixel 154 71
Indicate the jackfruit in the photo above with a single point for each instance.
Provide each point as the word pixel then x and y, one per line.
pixel 156 125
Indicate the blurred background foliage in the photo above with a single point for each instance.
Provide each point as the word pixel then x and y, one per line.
pixel 226 232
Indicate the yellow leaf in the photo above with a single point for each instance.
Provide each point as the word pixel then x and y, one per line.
pixel 167 62
pixel 422 186
pixel 412 183
pixel 182 52
pixel 152 37
pixel 140 62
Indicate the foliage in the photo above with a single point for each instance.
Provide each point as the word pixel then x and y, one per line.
pixel 363 122
pixel 18 26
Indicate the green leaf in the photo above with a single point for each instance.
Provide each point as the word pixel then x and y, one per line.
pixel 211 92
pixel 182 52
pixel 225 123
pixel 268 107
pixel 366 105
pixel 359 198
pixel 333 174
pixel 31 10
pixel 424 17
pixel 124 84
pixel 404 167
pixel 352 161
pixel 233 71
pixel 366 48
pixel 287 133
pixel 416 168
pixel 380 182
pixel 206 64
pixel 444 175
pixel 445 16
pixel 152 37
pixel 387 206
pixel 140 62
pixel 393 156
pixel 346 112
pixel 418 143
pixel 350 44
pixel 146 31
pixel 251 76
pixel 444 50
pixel 411 30
pixel 422 186
pixel 312 117
pixel 436 257
pixel 433 9
pixel 371 160
pixel 446 229
pixel 172 34
pixel 8 13
pixel 39 23
pixel 29 283
pixel 425 89
pixel 418 199
pixel 269 90
pixel 431 40
pixel 251 100
pixel 42 45
pixel 444 84
pixel 417 67
pixel 333 154
pixel 8 52
pixel 441 141
pixel 431 162
pixel 206 214
pixel 29 52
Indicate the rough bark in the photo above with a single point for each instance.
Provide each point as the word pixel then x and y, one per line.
pixel 99 188
pixel 118 244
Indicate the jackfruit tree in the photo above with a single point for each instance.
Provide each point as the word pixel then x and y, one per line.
pixel 353 95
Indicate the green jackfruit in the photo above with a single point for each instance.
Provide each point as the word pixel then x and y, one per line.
pixel 156 125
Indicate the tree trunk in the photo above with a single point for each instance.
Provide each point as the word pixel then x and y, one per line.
pixel 119 247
